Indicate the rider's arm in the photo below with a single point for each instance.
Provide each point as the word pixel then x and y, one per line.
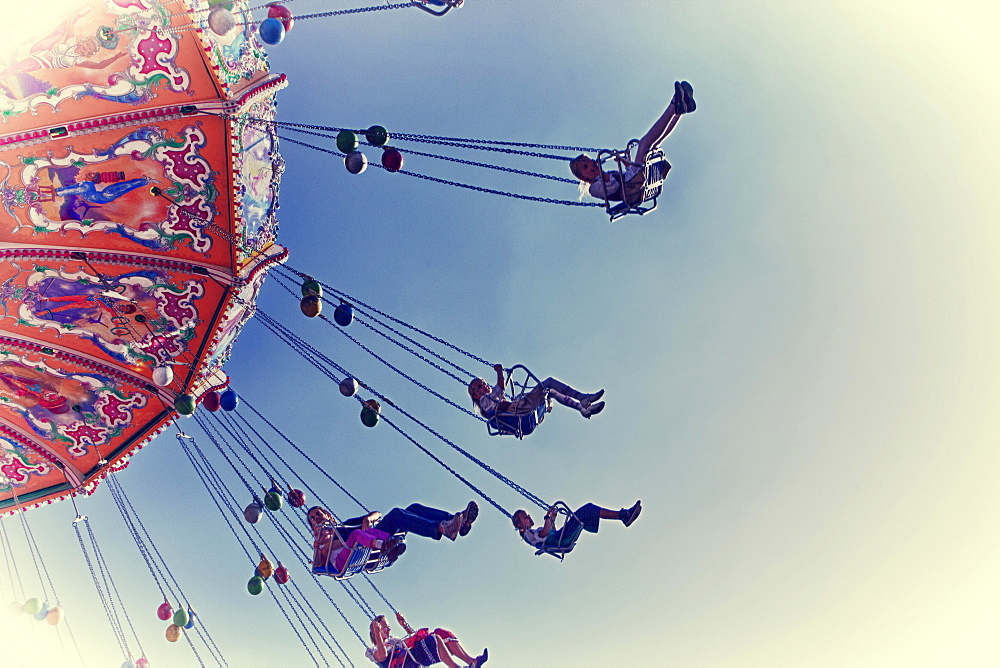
pixel 381 653
pixel 550 522
pixel 501 380
pixel 402 622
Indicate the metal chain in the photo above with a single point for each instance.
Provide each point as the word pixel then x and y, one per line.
pixel 33 545
pixel 354 598
pixel 314 622
pixel 361 321
pixel 342 616
pixel 36 555
pixel 221 492
pixel 109 585
pixel 115 624
pixel 13 573
pixel 381 595
pixel 320 15
pixel 212 434
pixel 368 609
pixel 223 420
pixel 293 544
pixel 114 588
pixel 399 371
pixel 486 467
pixel 387 363
pixel 352 300
pixel 356 10
pixel 302 352
pixel 491 191
pixel 549 147
pixel 134 533
pixel 465 372
pixel 485 165
pixel 459 141
pixel 126 507
pixel 443 465
pixel 299 480
pixel 472 163
pixel 304 454
pixel 395 331
pixel 537 500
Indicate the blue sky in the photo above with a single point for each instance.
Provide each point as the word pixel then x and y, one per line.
pixel 799 345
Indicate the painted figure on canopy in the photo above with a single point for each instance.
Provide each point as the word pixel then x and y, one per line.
pixel 41 393
pixel 67 47
pixel 136 316
pixel 72 411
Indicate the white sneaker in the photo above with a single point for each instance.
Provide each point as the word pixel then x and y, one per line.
pixel 450 528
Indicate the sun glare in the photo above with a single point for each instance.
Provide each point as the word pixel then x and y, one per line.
pixel 26 643
pixel 24 21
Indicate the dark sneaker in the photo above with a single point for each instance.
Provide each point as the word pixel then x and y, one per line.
pixel 630 515
pixel 678 100
pixel 591 398
pixel 470 513
pixel 482 658
pixel 593 409
pixel 396 551
pixel 688 93
pixel 389 543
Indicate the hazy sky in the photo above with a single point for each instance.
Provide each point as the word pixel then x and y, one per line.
pixel 799 346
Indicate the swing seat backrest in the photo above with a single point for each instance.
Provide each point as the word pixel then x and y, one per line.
pixel 639 201
pixel 563 545
pixel 565 539
pixel 355 563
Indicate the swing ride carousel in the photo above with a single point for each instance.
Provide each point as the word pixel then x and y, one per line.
pixel 139 145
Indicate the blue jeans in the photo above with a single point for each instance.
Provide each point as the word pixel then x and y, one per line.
pixel 418 519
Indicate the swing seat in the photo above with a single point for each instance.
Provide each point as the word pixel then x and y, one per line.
pixel 437 7
pixel 518 424
pixel 638 201
pixel 356 563
pixel 361 558
pixel 566 540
